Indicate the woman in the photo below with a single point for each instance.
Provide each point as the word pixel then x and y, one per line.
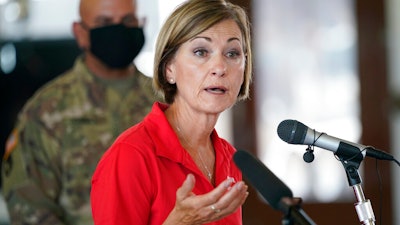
pixel 172 168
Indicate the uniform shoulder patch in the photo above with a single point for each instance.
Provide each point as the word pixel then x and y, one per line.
pixel 11 143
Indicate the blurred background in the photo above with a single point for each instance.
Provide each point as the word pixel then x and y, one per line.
pixel 333 65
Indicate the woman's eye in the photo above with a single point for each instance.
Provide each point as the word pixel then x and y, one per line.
pixel 200 52
pixel 233 54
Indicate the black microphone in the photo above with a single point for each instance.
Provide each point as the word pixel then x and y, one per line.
pixel 271 188
pixel 295 132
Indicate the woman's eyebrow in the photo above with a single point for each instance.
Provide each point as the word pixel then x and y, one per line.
pixel 210 40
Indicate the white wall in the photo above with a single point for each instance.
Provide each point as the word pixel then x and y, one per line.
pixel 37 19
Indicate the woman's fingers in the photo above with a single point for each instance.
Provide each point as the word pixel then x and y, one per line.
pixel 230 200
pixel 225 199
pixel 186 189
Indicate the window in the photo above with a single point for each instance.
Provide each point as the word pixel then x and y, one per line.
pixel 305 67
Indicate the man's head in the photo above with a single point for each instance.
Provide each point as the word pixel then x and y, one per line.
pixel 98 13
pixel 109 31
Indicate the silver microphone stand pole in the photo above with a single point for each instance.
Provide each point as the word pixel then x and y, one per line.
pixel 363 207
pixel 351 158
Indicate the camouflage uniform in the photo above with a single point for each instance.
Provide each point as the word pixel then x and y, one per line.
pixel 61 134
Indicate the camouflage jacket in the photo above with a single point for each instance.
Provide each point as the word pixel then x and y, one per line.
pixel 61 133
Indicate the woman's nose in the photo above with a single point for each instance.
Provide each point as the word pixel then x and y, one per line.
pixel 219 65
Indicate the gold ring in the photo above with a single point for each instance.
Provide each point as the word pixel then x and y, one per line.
pixel 215 209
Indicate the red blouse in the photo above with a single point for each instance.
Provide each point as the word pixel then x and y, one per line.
pixel 136 180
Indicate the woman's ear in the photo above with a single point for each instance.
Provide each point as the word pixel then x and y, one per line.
pixel 169 73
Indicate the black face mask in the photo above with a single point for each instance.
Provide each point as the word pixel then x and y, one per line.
pixel 116 45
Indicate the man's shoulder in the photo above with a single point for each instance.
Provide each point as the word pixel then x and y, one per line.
pixel 142 77
pixel 61 82
pixel 59 86
pixel 52 96
pixel 64 80
pixel 50 89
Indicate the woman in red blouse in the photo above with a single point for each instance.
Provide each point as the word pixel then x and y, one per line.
pixel 173 168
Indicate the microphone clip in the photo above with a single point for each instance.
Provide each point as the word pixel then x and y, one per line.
pixel 308 156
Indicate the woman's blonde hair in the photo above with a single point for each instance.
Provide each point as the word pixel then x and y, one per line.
pixel 188 20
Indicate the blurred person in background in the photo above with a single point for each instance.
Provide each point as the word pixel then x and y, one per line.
pixel 173 168
pixel 63 130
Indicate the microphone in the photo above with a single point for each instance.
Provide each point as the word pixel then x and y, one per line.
pixel 271 188
pixel 295 132
pixel 268 185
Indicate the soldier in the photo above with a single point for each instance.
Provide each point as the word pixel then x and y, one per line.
pixel 67 125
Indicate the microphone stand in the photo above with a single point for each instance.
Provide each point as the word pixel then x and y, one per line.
pixel 293 214
pixel 351 163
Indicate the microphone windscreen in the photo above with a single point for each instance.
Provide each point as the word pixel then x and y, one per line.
pixel 292 131
pixel 271 188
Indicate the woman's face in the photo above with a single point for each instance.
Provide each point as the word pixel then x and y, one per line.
pixel 209 68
